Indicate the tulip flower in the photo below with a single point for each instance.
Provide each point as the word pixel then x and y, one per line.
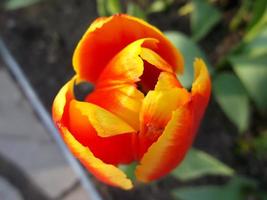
pixel 138 110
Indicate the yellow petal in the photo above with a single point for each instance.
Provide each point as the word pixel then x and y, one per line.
pixel 104 172
pixel 124 101
pixel 108 36
pixel 64 95
pixel 104 122
pixel 156 60
pixel 156 112
pixel 201 90
pixel 126 66
pixel 202 83
pixel 167 81
pixel 170 148
pixel 158 105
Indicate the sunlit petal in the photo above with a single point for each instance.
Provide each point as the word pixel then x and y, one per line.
pixel 156 111
pixel 105 172
pixel 124 101
pixel 104 122
pixel 201 90
pixel 94 49
pixel 170 148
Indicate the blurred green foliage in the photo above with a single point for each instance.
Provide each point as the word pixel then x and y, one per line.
pixel 204 17
pixel 260 144
pixel 108 7
pixel 135 10
pixel 198 163
pixel 17 4
pixel 238 188
pixel 232 97
pixel 190 51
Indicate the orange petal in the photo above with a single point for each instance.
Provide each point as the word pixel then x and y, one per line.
pixel 104 122
pixel 124 101
pixel 126 66
pixel 167 81
pixel 63 97
pixel 154 64
pixel 108 36
pixel 104 172
pixel 170 148
pixel 201 90
pixel 156 111
pixel 97 24
pixel 116 145
pixel 154 59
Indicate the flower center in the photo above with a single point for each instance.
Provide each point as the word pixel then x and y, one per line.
pixel 149 78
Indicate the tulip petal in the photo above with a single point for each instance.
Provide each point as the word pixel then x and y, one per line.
pixel 156 111
pixel 156 60
pixel 170 148
pixel 63 97
pixel 126 66
pixel 104 172
pixel 201 90
pixel 153 65
pixel 158 105
pixel 97 24
pixel 124 101
pixel 104 122
pixel 96 129
pixel 109 36
pixel 119 147
pixel 167 81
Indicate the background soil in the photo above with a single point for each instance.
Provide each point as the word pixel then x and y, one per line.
pixel 42 38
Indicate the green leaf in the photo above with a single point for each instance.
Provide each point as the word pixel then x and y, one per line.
pixel 263 195
pixel 200 193
pixel 186 9
pixel 135 10
pixel 242 13
pixel 252 71
pixel 190 51
pixel 260 144
pixel 129 170
pixel 257 45
pixel 113 7
pixel 101 7
pixel 259 9
pixel 157 6
pixel 17 4
pixel 257 28
pixel 233 190
pixel 198 163
pixel 108 7
pixel 233 99
pixel 203 18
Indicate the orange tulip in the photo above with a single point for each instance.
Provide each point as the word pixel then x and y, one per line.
pixel 138 110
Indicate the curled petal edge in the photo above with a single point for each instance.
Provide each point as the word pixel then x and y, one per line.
pixel 201 90
pixel 115 32
pixel 104 122
pixel 181 128
pixel 63 97
pixel 127 66
pixel 105 172
pixel 170 148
